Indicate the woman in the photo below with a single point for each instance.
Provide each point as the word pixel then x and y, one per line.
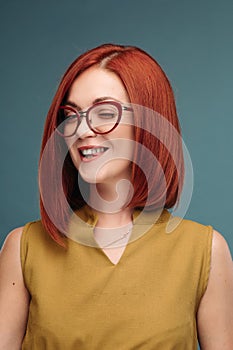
pixel 100 271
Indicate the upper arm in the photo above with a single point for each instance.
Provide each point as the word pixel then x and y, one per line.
pixel 14 297
pixel 215 314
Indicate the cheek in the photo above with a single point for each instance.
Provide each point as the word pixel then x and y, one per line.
pixel 126 143
pixel 74 154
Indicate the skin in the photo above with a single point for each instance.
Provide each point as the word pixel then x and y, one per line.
pixel 107 170
pixel 214 316
pixel 108 193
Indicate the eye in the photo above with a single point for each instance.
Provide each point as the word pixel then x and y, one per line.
pixel 105 112
pixel 106 115
pixel 69 114
pixel 71 120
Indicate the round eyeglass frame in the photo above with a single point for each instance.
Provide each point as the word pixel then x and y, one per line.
pixel 120 107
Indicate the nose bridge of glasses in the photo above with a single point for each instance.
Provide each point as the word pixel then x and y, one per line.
pixel 82 114
pixel 83 127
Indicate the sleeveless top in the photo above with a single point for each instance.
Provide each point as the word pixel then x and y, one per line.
pixel 149 300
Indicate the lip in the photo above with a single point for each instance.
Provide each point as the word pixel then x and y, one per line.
pixel 93 156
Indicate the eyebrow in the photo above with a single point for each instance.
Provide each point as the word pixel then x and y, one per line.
pixel 99 99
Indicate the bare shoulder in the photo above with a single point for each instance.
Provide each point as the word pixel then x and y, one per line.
pixel 215 316
pixel 221 262
pixel 10 266
pixel 219 245
pixel 10 252
pixel 12 240
pixel 14 296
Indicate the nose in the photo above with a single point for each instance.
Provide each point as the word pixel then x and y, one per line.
pixel 83 130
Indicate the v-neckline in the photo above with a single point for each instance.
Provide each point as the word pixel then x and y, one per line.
pixel 119 258
pixel 82 224
pixel 113 250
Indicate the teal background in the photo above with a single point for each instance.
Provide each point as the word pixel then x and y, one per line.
pixel 192 40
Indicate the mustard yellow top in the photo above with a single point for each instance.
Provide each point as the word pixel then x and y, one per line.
pixel 80 300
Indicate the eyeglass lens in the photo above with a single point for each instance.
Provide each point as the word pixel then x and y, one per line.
pixel 100 118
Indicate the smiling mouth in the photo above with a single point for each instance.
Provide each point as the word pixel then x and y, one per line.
pixel 89 153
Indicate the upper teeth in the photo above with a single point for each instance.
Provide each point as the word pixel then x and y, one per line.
pixel 91 151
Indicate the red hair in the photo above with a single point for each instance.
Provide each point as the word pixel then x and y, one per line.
pixel 146 85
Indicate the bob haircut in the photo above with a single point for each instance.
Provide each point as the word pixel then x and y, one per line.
pixel 146 85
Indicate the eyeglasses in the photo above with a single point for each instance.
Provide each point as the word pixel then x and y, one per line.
pixel 101 118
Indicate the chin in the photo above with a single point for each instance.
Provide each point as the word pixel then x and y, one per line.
pixel 95 178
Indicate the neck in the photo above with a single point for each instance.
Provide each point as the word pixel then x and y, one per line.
pixel 109 203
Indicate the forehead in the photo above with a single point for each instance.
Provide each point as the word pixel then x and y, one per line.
pixel 95 83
